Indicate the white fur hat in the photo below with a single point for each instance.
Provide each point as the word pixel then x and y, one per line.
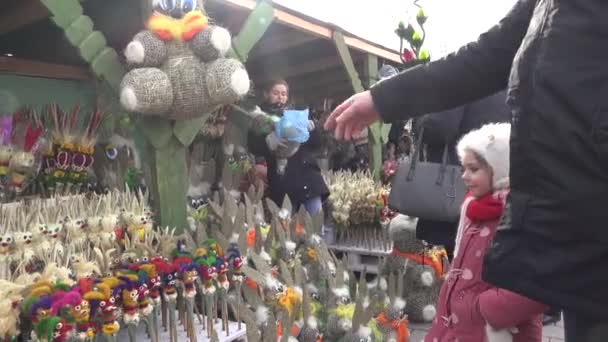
pixel 491 142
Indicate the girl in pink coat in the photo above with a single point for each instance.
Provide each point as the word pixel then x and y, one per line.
pixel 469 309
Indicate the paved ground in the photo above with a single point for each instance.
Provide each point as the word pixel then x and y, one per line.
pixel 551 333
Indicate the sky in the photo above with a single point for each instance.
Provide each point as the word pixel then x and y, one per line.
pixel 451 23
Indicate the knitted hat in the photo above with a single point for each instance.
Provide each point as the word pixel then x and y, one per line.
pixel 491 142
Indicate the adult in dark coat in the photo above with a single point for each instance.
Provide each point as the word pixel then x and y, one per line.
pixel 552 243
pixel 446 128
pixel 302 180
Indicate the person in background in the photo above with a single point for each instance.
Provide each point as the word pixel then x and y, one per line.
pixel 470 309
pixel 443 129
pixel 302 180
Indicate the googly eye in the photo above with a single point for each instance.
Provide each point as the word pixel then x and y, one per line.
pixel 188 6
pixel 167 5
pixel 112 300
pixel 102 304
pixel 77 308
pixel 134 294
pixel 111 152
pixel 170 277
pixel 59 326
pixel 145 259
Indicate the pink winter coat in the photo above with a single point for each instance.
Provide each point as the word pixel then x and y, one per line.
pixel 467 303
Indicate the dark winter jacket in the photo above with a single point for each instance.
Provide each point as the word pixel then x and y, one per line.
pixel 446 128
pixel 552 242
pixel 302 179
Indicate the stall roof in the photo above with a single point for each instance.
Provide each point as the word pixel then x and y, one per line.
pixel 310 25
pixel 296 47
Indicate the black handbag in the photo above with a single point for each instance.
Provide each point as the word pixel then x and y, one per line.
pixel 430 191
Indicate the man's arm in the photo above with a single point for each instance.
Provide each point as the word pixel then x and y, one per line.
pixel 476 70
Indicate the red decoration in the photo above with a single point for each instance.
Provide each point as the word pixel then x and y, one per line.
pixel 408 55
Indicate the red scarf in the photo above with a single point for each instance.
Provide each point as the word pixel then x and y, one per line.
pixel 486 208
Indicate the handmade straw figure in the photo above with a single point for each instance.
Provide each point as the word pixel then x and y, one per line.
pixel 84 268
pixel 39 308
pixel 149 293
pixel 53 329
pixel 127 295
pixel 7 241
pixel 82 157
pixel 75 225
pixel 188 276
pixel 6 148
pixel 52 214
pixel 64 144
pixel 10 302
pixel 26 133
pixel 169 273
pixel 85 329
pixel 139 218
pixel 393 321
pixel 154 281
pixel 360 330
pixel 109 221
pixel 24 238
pixel 310 331
pixel 103 304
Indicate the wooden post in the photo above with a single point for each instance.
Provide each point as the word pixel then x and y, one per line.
pixel 252 31
pixel 377 132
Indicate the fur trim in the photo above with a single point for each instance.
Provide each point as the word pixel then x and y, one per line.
pixel 312 322
pixel 290 245
pixel 399 304
pixel 272 282
pixel 341 291
pixel 426 278
pixel 366 302
pixel 429 312
pixel 491 142
pixel 364 331
pixel 265 256
pixel 261 315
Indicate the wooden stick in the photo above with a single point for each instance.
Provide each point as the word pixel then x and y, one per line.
pixel 172 321
pixel 238 303
pixel 209 309
pixel 163 311
pixel 132 330
pixel 225 316
pixel 190 318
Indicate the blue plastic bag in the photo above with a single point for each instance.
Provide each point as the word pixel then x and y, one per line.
pixel 293 126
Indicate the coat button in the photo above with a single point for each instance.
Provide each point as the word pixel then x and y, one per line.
pixel 305 187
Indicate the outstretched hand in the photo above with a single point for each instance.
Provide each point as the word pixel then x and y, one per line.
pixel 351 117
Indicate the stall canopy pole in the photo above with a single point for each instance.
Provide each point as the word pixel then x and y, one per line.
pixel 377 133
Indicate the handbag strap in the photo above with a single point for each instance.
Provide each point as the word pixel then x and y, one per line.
pixel 416 155
pixel 443 167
